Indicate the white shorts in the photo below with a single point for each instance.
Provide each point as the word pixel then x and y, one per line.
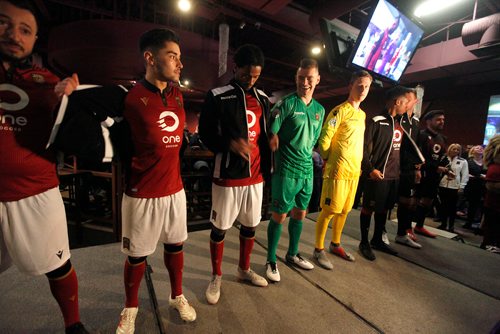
pixel 145 221
pixel 34 233
pixel 242 204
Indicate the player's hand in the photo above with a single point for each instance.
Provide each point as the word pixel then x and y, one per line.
pixel 241 147
pixel 442 170
pixel 274 142
pixel 67 86
pixel 376 175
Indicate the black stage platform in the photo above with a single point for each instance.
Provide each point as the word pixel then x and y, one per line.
pixel 446 287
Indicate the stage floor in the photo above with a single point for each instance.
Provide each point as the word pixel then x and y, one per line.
pixel 446 287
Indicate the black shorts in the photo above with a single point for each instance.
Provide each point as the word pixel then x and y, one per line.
pixel 407 185
pixel 428 187
pixel 381 195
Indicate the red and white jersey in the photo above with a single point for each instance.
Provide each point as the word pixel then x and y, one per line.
pixel 254 115
pixel 27 106
pixel 156 122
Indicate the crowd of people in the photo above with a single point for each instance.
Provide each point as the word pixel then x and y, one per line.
pixel 252 141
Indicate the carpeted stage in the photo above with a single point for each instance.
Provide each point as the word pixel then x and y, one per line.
pixel 446 287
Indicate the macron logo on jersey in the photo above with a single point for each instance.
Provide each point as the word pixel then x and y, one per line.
pixel 168 116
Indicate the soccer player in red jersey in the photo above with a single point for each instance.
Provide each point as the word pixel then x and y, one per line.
pixel 233 126
pixel 154 203
pixel 33 228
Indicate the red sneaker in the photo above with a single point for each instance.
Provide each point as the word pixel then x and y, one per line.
pixel 339 251
pixel 412 235
pixel 423 231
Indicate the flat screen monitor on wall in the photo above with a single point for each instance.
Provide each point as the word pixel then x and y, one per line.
pixel 388 42
pixel 492 127
pixel 339 39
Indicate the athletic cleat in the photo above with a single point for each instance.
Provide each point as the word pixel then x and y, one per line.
pixel 127 320
pixel 412 235
pixel 406 240
pixel 181 304
pixel 385 238
pixel 442 227
pixel 423 231
pixel 251 276
pixel 322 259
pixel 299 261
pixel 340 251
pixel 213 290
pixel 272 272
pixel 76 328
pixel 366 251
pixel 381 246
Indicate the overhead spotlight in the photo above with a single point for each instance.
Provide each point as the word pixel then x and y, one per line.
pixel 242 24
pixel 316 50
pixel 430 7
pixel 184 5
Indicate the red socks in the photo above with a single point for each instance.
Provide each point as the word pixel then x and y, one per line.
pixel 132 276
pixel 175 264
pixel 246 246
pixel 216 252
pixel 65 291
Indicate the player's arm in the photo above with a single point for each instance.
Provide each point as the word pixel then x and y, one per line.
pixel 366 164
pixel 275 122
pixel 209 126
pixel 328 130
pixel 318 130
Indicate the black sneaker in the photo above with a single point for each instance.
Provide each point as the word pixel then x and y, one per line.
pixel 366 251
pixel 76 328
pixel 381 246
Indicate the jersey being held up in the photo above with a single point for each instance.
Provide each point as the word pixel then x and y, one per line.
pixel 298 127
pixel 156 119
pixel 27 105
pixel 341 142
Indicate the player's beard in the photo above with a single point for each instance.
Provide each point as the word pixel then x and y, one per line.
pixel 14 61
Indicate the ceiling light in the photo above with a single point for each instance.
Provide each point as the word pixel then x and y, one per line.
pixel 430 7
pixel 184 5
pixel 316 50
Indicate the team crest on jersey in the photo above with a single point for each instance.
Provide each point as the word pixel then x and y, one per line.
pixel 38 78
pixel 126 243
pixel 333 122
pixel 145 100
pixel 317 117
pixel 179 103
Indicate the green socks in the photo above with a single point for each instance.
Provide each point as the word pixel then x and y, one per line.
pixel 294 231
pixel 273 238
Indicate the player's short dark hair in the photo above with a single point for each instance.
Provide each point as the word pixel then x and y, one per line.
pixel 26 5
pixel 396 92
pixel 155 39
pixel 433 113
pixel 249 54
pixel 360 74
pixel 309 63
pixel 412 90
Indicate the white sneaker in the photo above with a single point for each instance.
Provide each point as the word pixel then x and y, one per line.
pixel 213 290
pixel 322 259
pixel 406 240
pixel 251 276
pixel 385 238
pixel 299 261
pixel 181 304
pixel 127 320
pixel 272 272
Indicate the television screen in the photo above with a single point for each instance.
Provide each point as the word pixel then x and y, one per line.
pixel 339 39
pixel 493 119
pixel 388 42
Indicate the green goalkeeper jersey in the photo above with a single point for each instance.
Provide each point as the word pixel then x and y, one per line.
pixel 298 127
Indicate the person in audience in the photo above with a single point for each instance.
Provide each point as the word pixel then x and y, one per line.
pixel 474 191
pixel 491 240
pixel 381 163
pixel 341 145
pixel 411 162
pixel 154 203
pixel 33 226
pixel 294 129
pixel 451 185
pixel 233 126
pixel 433 146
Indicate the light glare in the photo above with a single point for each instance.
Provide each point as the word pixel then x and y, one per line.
pixel 184 5
pixel 430 7
pixel 316 50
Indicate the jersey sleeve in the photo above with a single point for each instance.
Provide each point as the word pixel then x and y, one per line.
pixel 209 125
pixel 328 130
pixel 366 164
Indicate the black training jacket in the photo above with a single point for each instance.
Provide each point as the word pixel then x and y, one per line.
pixel 224 118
